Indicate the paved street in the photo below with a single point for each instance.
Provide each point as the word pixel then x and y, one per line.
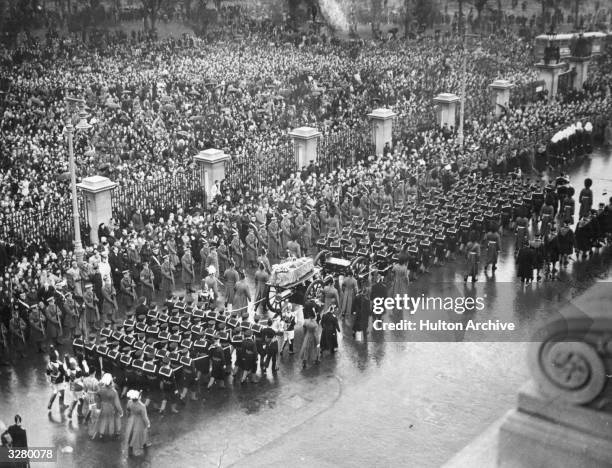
pixel 380 403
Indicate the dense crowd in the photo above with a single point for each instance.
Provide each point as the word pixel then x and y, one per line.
pixel 155 103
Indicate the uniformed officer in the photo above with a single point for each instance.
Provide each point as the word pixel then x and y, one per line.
pixel 17 331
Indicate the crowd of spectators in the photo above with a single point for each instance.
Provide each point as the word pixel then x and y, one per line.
pixel 155 103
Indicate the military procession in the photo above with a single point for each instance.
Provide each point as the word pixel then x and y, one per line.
pixel 202 284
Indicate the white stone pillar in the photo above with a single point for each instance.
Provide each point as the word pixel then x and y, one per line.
pixel 549 73
pixel 211 163
pixel 305 140
pixel 382 128
pixel 447 109
pixel 581 66
pixel 97 192
pixel 501 95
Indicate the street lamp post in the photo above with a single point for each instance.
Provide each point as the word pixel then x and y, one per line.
pixel 70 130
pixel 460 136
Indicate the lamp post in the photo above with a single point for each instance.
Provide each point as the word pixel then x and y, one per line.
pixel 70 130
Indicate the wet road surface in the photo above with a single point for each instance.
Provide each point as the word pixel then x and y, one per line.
pixel 375 403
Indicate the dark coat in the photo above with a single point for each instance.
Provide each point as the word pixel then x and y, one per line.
pixel 361 313
pixel 19 436
pixel 329 336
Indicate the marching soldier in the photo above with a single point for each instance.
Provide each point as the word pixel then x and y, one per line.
pixel 493 245
pixel 57 377
pixel 190 380
pixel 288 318
pixel 247 361
pixel 168 386
pixel 217 358
pixel 147 283
pixel 74 378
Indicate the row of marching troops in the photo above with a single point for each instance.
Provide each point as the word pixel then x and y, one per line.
pixel 169 351
pixel 567 145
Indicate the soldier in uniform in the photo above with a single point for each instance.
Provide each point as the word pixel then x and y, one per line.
pixel 305 234
pixel 189 381
pixel 53 317
pixel 167 283
pixel 223 256
pixel 168 386
pixel 37 327
pixel 156 267
pixel 248 359
pixel 250 256
pixel 109 301
pixel 231 278
pixel 204 252
pixel 235 249
pixel 217 358
pixel 71 317
pixel 315 224
pixel 147 283
pixel 493 245
pixel 74 380
pixel 274 240
pixel 57 377
pixel 261 288
pixel 285 231
pixel 127 289
pixel 92 316
pixel 187 271
pixel 17 327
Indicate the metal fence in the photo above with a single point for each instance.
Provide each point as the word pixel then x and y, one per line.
pixel 163 196
pixel 36 229
pixel 261 168
pixel 339 148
